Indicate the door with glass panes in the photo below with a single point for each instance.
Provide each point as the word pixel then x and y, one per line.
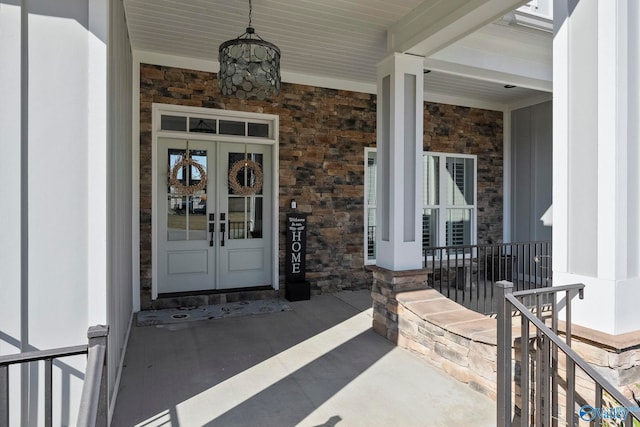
pixel 217 236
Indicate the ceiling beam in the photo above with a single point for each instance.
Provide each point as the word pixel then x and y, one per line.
pixel 493 66
pixel 435 24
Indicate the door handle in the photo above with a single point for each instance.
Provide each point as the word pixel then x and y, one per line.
pixel 222 230
pixel 212 229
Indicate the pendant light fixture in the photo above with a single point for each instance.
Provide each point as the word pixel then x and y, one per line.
pixel 249 66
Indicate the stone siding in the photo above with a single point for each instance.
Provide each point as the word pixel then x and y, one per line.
pixel 463 130
pixel 323 133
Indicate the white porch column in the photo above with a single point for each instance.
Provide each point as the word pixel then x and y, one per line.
pixel 596 179
pixel 400 121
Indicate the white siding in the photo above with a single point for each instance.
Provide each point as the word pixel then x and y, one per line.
pixel 531 183
pixel 119 279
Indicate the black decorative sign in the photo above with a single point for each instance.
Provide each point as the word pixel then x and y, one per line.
pixel 296 248
pixel 297 288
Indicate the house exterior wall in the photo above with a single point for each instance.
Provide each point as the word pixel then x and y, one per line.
pixel 53 242
pixel 454 129
pixel 531 177
pixel 323 133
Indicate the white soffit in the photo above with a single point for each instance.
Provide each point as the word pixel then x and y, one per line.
pixel 338 44
pixel 492 92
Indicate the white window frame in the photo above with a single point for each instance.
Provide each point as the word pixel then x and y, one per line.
pixel 368 206
pixel 443 205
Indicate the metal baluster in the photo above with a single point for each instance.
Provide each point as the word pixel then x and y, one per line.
pixel 454 277
pixel 4 396
pixel 48 392
pixel 550 263
pixel 440 267
pixel 571 390
pixel 539 413
pixel 598 404
pixel 554 364
pixel 546 368
pixel 571 367
pixel 484 278
pixel 524 371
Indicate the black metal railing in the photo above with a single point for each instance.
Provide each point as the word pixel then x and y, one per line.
pixel 94 388
pixel 466 274
pixel 371 242
pixel 545 369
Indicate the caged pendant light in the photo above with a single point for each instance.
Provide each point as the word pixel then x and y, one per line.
pixel 249 66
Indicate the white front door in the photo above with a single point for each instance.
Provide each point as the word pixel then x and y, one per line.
pixel 215 238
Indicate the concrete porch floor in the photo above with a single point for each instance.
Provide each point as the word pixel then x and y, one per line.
pixel 319 364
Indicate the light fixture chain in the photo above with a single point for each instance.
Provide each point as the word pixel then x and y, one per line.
pixel 250 12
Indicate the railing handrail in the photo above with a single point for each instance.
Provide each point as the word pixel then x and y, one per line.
pixel 94 392
pixel 37 355
pixel 550 290
pixel 504 367
pixel 484 245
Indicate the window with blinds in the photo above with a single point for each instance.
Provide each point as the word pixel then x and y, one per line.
pixel 449 201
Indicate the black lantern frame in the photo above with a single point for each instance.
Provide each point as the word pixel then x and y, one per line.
pixel 249 66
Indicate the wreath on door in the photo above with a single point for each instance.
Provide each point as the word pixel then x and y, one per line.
pixel 250 166
pixel 179 187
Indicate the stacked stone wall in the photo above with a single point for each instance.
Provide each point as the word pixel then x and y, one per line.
pixel 323 133
pixel 463 343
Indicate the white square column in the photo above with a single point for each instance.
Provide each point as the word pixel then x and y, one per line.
pixel 399 131
pixel 596 179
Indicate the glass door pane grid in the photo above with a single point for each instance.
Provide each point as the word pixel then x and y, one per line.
pixel 186 214
pixel 216 125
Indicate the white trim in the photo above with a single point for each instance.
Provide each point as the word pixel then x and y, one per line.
pixel 530 101
pixel 157 110
pixel 154 58
pixel 561 127
pixel 135 182
pixel 461 101
pixel 367 261
pixel 97 132
pixel 507 203
pixel 484 74
pixel 612 171
pixel 163 59
pixel 328 82
pixel 444 206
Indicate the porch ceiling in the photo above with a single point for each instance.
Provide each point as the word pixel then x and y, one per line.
pixel 333 39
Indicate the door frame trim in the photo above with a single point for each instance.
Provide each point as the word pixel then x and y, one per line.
pixel 181 110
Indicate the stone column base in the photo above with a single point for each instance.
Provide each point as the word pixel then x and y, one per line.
pixel 386 285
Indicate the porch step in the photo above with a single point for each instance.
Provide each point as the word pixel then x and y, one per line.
pixel 198 299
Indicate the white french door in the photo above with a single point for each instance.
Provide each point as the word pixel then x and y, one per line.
pixel 217 237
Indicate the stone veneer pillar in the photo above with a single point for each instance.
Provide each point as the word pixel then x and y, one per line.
pixel 386 286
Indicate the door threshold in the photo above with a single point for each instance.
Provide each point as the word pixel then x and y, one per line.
pixel 214 296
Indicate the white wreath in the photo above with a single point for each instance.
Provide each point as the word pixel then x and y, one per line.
pixel 189 190
pixel 245 190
